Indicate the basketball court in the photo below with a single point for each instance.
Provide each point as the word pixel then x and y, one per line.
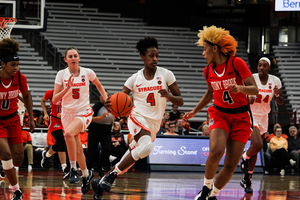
pixel 49 185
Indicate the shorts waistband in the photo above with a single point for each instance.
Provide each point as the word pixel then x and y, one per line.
pixel 233 110
pixel 8 116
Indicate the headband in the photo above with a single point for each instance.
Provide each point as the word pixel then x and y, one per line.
pixel 266 59
pixel 210 43
pixel 8 58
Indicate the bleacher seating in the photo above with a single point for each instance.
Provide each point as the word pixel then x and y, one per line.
pixel 288 59
pixel 106 42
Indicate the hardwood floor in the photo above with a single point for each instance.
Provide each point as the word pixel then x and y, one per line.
pixel 48 184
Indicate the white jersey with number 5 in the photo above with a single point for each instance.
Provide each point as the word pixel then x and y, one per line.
pixel 77 97
pixel 147 101
pixel 261 105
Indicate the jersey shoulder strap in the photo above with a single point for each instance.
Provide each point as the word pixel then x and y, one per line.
pixel 237 73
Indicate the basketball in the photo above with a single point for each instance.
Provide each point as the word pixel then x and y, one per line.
pixel 121 104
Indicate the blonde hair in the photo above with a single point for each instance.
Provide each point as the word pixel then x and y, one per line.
pixel 220 37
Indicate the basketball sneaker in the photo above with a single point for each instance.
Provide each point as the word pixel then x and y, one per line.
pixel 2 174
pixel 246 184
pixel 212 198
pixel 45 160
pixel 98 191
pixel 18 195
pixel 73 176
pixel 244 165
pixel 66 173
pixel 107 180
pixel 203 194
pixel 85 187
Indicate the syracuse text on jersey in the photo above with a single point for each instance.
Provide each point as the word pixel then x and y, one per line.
pixel 77 84
pixel 146 89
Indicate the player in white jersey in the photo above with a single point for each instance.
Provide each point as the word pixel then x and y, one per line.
pixel 268 85
pixel 150 89
pixel 72 87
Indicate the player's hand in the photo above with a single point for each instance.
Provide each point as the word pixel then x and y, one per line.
pixel 188 115
pixel 164 93
pixel 276 91
pixel 59 115
pixel 46 117
pixel 107 104
pixel 252 99
pixel 70 81
pixel 234 88
pixel 31 125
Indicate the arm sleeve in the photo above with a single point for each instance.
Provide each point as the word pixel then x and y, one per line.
pixel 170 78
pixel 59 78
pixel 130 82
pixel 91 74
pixel 278 83
pixel 48 94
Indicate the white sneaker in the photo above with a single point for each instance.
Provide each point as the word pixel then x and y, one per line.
pixel 292 162
pixel 282 172
pixel 17 169
pixel 29 168
pixel 112 158
pixel 266 172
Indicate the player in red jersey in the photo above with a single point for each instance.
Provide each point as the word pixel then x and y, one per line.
pixel 11 142
pixel 56 129
pixel 229 81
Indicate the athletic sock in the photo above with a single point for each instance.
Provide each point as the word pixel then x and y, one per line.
pixel 245 157
pixel 63 166
pixel 208 182
pixel 48 155
pixel 73 164
pixel 215 191
pixel 85 173
pixel 15 187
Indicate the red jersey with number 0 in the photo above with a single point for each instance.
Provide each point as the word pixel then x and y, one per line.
pixel 221 76
pixel 9 92
pixel 55 108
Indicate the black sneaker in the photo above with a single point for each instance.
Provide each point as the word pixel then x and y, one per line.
pixel 203 194
pixel 246 184
pixel 98 191
pixel 66 173
pixel 2 174
pixel 106 181
pixel 18 195
pixel 85 187
pixel 44 161
pixel 212 198
pixel 244 165
pixel 73 176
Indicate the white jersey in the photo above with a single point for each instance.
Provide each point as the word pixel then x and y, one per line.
pixel 261 105
pixel 147 101
pixel 77 97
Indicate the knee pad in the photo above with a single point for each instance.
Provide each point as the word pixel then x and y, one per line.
pixel 7 164
pixel 143 149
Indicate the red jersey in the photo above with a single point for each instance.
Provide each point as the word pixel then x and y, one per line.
pixel 219 77
pixel 55 108
pixel 9 92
